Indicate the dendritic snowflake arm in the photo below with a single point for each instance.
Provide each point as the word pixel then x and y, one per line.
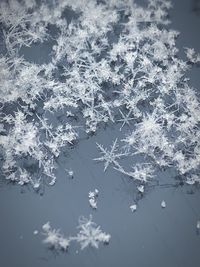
pixel 141 172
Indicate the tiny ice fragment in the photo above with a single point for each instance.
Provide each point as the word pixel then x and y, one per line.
pixel 93 198
pixel 141 188
pixel 70 173
pixel 35 232
pixel 36 185
pixel 163 204
pixel 198 225
pixel 96 192
pixel 91 195
pixel 133 207
pixel 46 227
pixel 93 203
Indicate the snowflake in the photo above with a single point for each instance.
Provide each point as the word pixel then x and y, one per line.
pixel 110 156
pixel 125 119
pixel 90 234
pixel 192 56
pixel 54 239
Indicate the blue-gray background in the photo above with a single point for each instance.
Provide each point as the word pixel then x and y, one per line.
pixel 150 237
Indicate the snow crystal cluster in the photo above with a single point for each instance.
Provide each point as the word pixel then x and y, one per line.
pixel 112 61
pixel 93 198
pixel 89 235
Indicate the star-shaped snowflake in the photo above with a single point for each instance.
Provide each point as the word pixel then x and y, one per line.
pixel 110 156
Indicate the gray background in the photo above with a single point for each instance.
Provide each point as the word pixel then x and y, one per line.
pixel 150 237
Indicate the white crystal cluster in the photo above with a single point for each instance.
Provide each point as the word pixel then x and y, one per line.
pixel 110 62
pixel 89 235
pixel 93 195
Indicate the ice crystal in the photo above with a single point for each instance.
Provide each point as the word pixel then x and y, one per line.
pixel 93 198
pixel 53 238
pixel 192 55
pixel 70 173
pixel 163 204
pixel 93 203
pixel 133 207
pixel 89 235
pixel 125 119
pixel 35 232
pixel 141 172
pixel 141 188
pixel 110 156
pixel 112 62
